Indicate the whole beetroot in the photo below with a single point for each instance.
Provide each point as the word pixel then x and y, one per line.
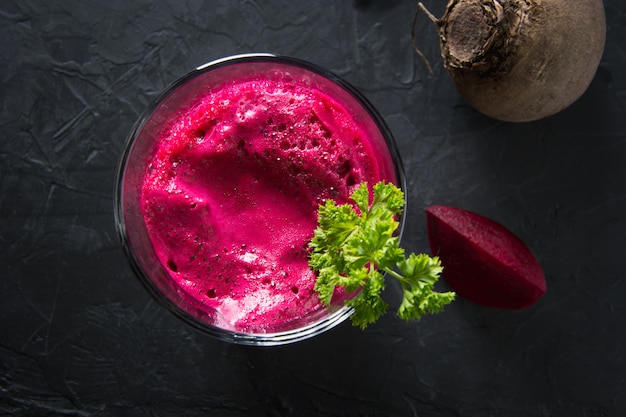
pixel 521 60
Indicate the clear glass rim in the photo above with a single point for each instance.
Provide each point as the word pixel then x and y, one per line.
pixel 256 339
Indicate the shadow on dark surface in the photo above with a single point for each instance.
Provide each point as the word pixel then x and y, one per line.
pixel 374 4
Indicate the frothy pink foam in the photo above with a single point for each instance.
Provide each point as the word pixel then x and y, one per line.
pixel 230 199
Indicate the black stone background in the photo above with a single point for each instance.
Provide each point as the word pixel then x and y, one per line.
pixel 81 337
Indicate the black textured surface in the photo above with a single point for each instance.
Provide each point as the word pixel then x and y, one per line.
pixel 81 337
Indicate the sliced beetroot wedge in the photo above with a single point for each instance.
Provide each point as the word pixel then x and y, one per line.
pixel 482 260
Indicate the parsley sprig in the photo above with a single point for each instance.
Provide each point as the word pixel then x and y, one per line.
pixel 354 249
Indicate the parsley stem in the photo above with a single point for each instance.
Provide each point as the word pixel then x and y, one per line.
pixel 394 274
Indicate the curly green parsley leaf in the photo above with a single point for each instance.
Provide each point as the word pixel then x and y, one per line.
pixel 354 249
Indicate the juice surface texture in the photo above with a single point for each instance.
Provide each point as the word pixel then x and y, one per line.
pixel 230 198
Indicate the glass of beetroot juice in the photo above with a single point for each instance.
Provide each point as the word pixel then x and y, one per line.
pixel 219 186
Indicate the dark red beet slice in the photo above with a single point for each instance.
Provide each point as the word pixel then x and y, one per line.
pixel 482 260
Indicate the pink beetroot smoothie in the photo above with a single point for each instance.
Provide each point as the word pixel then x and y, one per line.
pixel 231 196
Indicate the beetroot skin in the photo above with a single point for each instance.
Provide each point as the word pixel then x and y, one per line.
pixel 483 261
